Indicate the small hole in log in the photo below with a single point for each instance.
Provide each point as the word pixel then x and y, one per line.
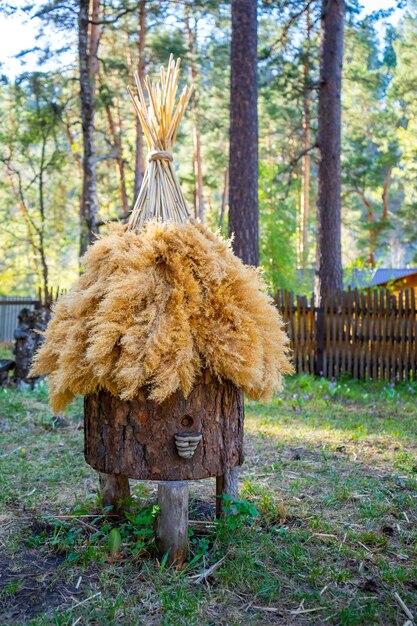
pixel 187 421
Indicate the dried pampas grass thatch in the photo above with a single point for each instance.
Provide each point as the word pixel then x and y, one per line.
pixel 163 298
pixel 156 308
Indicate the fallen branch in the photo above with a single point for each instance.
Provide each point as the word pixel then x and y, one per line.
pixel 74 606
pixel 404 607
pixel 207 572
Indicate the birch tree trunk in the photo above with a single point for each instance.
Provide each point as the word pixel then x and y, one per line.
pixel 139 162
pixel 88 41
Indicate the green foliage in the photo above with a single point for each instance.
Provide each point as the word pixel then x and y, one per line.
pixel 238 513
pixel 277 228
pixel 41 132
pixel 83 541
pixel 141 526
pixel 114 541
pixel 37 208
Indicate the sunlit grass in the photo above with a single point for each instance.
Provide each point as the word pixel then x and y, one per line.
pixel 330 466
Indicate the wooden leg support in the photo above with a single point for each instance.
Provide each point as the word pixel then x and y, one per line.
pixel 171 530
pixel 115 492
pixel 227 483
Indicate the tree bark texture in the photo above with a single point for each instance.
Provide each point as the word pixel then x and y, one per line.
pixel 227 483
pixel 28 340
pixel 306 146
pixel 243 173
pixel 138 438
pixel 115 492
pixel 329 253
pixel 197 158
pixel 139 162
pixel 88 40
pixel 171 529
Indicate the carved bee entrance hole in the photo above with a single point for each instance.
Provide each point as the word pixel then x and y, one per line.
pixel 187 421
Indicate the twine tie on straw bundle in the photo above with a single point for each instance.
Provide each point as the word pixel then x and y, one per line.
pixel 160 196
pixel 160 155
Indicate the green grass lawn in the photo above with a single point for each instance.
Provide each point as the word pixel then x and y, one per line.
pixel 330 467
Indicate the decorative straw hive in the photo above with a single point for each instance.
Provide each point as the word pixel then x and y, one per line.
pixel 163 301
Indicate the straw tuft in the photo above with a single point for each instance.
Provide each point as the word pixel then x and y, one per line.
pixel 160 196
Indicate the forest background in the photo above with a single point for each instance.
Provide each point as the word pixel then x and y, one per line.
pixel 41 144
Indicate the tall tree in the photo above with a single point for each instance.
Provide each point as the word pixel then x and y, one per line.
pixel 88 41
pixel 139 163
pixel 243 160
pixel 191 30
pixel 329 248
pixel 243 172
pixel 305 201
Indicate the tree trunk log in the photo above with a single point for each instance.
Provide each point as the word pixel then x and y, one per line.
pixel 149 441
pixel 27 341
pixel 226 484
pixel 329 247
pixel 139 162
pixel 88 40
pixel 243 173
pixel 115 492
pixel 171 530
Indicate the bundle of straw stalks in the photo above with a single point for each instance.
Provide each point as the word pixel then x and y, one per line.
pixel 160 196
pixel 162 298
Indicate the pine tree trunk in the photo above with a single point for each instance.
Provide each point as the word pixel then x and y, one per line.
pixel 329 254
pixel 243 159
pixel 307 143
pixel 88 40
pixel 243 174
pixel 197 159
pixel 139 162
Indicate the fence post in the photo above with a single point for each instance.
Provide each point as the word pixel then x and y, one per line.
pixel 319 364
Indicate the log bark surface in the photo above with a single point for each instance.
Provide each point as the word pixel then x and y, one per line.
pixel 226 484
pixel 137 438
pixel 28 340
pixel 115 491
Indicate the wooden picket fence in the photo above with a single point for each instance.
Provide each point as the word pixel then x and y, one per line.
pixel 10 307
pixel 370 334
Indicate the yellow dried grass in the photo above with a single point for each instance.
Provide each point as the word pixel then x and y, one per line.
pixel 156 308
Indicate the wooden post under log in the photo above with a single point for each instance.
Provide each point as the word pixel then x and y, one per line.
pixel 226 484
pixel 171 530
pixel 115 492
